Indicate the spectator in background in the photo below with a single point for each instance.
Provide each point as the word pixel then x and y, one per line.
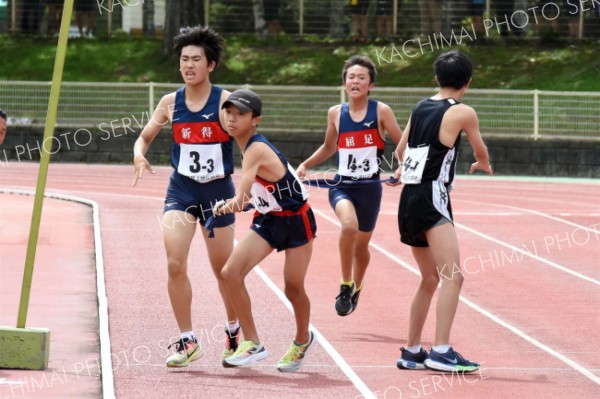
pixel 2 126
pixel 55 9
pixel 271 14
pixel 551 14
pixel 504 13
pixel 358 9
pixel 384 12
pixel 85 8
pixel 571 8
pixel 476 10
pixel 31 15
pixel 431 16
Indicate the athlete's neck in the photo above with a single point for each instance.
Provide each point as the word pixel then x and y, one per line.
pixel 243 139
pixel 357 104
pixel 198 92
pixel 450 92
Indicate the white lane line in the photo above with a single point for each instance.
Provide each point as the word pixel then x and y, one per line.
pixel 542 214
pixel 587 373
pixel 529 254
pixel 108 383
pixel 337 358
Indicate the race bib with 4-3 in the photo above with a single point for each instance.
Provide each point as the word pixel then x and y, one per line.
pixel 359 163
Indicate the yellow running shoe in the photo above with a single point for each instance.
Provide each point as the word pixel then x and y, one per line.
pixel 187 351
pixel 293 359
pixel 248 352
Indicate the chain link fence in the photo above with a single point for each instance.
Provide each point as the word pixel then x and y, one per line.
pixel 340 19
pixel 295 109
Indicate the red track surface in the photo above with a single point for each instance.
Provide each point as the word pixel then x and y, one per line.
pixel 543 340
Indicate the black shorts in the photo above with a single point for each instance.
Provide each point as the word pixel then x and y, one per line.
pixel 359 7
pixel 197 199
pixel 286 229
pixel 422 206
pixel 85 5
pixel 385 8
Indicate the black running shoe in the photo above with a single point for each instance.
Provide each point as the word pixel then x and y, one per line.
pixel 412 361
pixel 343 302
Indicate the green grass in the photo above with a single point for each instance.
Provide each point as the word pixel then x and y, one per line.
pixel 289 61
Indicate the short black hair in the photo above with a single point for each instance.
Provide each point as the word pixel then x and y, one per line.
pixel 201 36
pixel 361 60
pixel 2 114
pixel 453 69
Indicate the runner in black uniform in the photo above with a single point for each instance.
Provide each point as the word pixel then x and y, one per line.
pixel 427 154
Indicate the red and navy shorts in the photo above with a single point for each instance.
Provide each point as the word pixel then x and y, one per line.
pixel 286 229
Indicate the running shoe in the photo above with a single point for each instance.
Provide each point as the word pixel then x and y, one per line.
pixel 294 357
pixel 355 299
pixel 186 352
pixel 246 353
pixel 412 361
pixel 343 302
pixel 449 361
pixel 231 342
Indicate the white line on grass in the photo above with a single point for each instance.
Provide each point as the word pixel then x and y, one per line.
pixel 587 373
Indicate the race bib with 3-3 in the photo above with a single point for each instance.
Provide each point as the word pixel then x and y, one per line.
pixel 201 162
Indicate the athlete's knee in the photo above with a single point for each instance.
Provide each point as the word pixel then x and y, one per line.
pixel 430 282
pixel 349 230
pixel 293 292
pixel 230 275
pixel 177 268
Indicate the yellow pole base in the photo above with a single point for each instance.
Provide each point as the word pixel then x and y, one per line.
pixel 24 348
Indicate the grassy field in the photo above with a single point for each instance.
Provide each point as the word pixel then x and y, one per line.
pixel 289 61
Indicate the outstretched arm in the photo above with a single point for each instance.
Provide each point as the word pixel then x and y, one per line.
pixel 389 122
pixel 250 165
pixel 480 151
pixel 329 146
pixel 159 118
pixel 400 148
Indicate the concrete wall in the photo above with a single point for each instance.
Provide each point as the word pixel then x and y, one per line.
pixel 509 156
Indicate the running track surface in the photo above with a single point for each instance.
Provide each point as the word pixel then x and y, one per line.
pixel 530 311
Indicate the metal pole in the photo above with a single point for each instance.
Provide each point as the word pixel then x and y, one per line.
pixel 536 114
pixel 395 18
pixel 13 16
pixel 580 33
pixel 59 62
pixel 206 12
pixel 301 21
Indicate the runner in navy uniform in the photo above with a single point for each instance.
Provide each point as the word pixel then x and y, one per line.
pixel 356 131
pixel 427 153
pixel 202 159
pixel 283 221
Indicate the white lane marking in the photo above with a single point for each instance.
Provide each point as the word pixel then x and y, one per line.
pixel 108 383
pixel 587 373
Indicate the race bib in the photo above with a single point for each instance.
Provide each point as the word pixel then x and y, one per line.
pixel 201 162
pixel 414 164
pixel 359 163
pixel 263 199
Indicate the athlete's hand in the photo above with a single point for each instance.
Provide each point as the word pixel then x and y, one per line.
pixel 140 164
pixel 484 167
pixel 301 171
pixel 397 176
pixel 219 208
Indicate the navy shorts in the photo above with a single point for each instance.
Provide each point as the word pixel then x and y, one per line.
pixel 366 199
pixel 286 229
pixel 197 199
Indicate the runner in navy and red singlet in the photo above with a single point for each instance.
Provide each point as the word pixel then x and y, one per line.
pixel 283 221
pixel 356 132
pixel 202 160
